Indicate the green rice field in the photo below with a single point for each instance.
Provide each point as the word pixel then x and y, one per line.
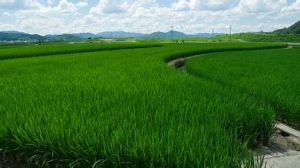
pixel 22 51
pixel 270 74
pixel 120 105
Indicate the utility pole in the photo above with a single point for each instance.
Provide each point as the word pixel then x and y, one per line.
pixel 261 30
pixel 212 32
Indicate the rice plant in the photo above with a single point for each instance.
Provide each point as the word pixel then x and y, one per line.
pixel 127 108
pixel 272 75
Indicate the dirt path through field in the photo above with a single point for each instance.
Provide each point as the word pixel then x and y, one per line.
pixel 179 63
pixel 294 44
pixel 283 150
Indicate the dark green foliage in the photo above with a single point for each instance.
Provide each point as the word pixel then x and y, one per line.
pixel 294 29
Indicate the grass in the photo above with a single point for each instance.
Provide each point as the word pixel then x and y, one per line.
pixel 238 37
pixel 270 74
pixel 260 37
pixel 126 108
pixel 64 48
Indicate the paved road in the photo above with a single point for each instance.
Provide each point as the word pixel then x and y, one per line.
pixel 294 44
pixel 283 160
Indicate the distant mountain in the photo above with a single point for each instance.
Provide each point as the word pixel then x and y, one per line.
pixel 20 36
pixel 207 34
pixel 62 37
pixel 15 36
pixel 85 35
pixel 169 34
pixel 122 34
pixel 177 34
pixel 294 29
pixel 119 34
pixel 13 32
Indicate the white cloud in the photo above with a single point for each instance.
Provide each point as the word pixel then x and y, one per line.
pixel 82 3
pixel 211 5
pixel 295 7
pixel 2 2
pixel 109 7
pixel 222 5
pixel 50 2
pixel 146 16
pixel 7 14
pixel 182 5
pixel 35 17
pixel 65 6
pixel 7 27
pixel 262 5
pixel 19 4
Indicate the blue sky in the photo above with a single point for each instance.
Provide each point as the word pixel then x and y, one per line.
pixel 190 16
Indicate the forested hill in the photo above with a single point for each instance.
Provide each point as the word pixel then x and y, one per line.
pixel 294 29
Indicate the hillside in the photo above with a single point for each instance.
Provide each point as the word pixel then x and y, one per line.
pixel 85 35
pixel 122 34
pixel 178 34
pixel 294 29
pixel 260 37
pixel 119 34
pixel 15 36
pixel 6 36
pixel 62 37
pixel 169 34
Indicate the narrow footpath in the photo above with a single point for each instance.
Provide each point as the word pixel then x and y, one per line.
pixel 283 150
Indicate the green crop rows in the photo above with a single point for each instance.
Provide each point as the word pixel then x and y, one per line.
pixel 65 48
pixel 126 108
pixel 270 74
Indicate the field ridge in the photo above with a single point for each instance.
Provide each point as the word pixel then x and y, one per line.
pixel 48 50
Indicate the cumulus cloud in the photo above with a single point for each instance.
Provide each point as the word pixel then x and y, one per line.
pixel 6 1
pixel 109 7
pixel 191 16
pixel 295 7
pixel 261 5
pixel 82 3
pixel 50 2
pixel 182 5
pixel 210 5
pixel 214 5
pixel 46 18
pixel 7 14
pixel 65 6
pixel 19 4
